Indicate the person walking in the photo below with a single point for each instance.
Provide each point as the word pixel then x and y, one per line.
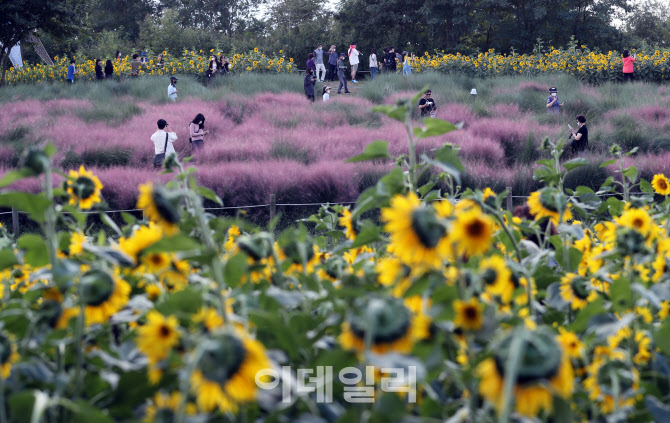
pixel 553 104
pixel 373 64
pixel 197 132
pixel 320 67
pixel 163 139
pixel 332 62
pixel 628 69
pixel 309 82
pixel 109 69
pixel 310 63
pixel 135 66
pixel 341 68
pixel 99 74
pixel 213 66
pixel 353 61
pixel 172 89
pixel 71 72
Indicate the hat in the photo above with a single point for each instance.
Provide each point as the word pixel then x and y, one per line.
pixel 553 90
pixel 173 78
pixel 343 55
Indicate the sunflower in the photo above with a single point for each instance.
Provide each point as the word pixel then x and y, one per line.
pixel 159 207
pixel 164 407
pixel 542 205
pixel 84 188
pixel 77 241
pixel 469 314
pixel 603 374
pixel 570 342
pixel 142 238
pixel 8 355
pixel 394 327
pixel 497 278
pixel 233 233
pixel 155 262
pixel 544 372
pixel 351 227
pixel 175 278
pixel 418 237
pixel 103 295
pixel 637 219
pixel 472 232
pixel 638 341
pixel 226 373
pixel 661 184
pixel 158 336
pixel 576 291
pixel 209 318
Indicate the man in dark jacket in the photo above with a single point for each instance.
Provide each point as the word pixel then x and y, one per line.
pixel 332 63
pixel 310 80
pixel 391 60
pixel 340 74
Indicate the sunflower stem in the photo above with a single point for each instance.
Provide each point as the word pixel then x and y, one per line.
pixel 505 228
pixel 185 383
pixel 3 410
pixel 79 336
pixel 412 150
pixel 511 372
pixel 50 217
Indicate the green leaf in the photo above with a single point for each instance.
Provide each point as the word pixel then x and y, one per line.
pixel 646 187
pixel 575 163
pixel 35 250
pixel 434 127
pixel 15 175
pixel 86 413
pixel 630 173
pixel 608 162
pixel 394 112
pixel 187 301
pixel 179 242
pixel 633 151
pixel 33 204
pixel 7 259
pixel 662 337
pixel 210 195
pixel 235 268
pixel 592 309
pixel 615 206
pixel 620 294
pixel 21 404
pixel 50 150
pixel 374 151
pixel 369 234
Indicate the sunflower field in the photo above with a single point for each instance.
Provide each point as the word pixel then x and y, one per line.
pixel 191 62
pixel 590 66
pixel 421 302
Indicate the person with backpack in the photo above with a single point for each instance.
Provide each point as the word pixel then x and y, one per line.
pixel 163 139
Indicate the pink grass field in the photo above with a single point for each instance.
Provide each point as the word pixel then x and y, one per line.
pixel 277 144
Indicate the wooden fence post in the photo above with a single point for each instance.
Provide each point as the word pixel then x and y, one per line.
pixel 15 221
pixel 509 199
pixel 273 206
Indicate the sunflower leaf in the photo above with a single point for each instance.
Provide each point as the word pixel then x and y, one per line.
pixel 646 187
pixel 33 204
pixel 376 150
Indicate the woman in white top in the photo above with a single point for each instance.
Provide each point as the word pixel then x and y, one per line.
pixel 212 66
pixel 197 132
pixel 353 61
pixel 373 64
pixel 326 93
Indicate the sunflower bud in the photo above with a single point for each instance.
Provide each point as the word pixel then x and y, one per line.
pixel 257 246
pixel 615 149
pixel 171 162
pixel 629 242
pixel 427 228
pixel 36 160
pixel 96 287
pixel 165 205
pixel 541 355
pixel 388 319
pixel 221 358
pixel 546 144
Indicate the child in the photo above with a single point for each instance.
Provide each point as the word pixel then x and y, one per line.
pixel 326 93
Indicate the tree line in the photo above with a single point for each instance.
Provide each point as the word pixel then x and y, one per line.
pixel 98 28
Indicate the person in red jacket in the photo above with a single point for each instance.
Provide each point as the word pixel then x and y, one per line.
pixel 628 70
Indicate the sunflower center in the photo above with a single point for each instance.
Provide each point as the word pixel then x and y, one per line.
pixel 638 223
pixel 662 185
pixel 294 251
pixel 156 259
pixel 164 206
pixel 540 356
pixel 165 331
pixel 5 349
pixel 471 313
pixel 388 320
pixel 222 358
pixel 427 228
pixel 96 287
pixel 475 229
pixel 489 276
pixel 84 187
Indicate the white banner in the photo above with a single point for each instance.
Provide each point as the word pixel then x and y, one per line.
pixel 15 56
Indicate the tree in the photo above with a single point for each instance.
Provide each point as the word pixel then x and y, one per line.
pixel 648 22
pixel 20 18
pixel 123 16
pixel 227 16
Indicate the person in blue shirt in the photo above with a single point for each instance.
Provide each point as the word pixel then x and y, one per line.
pixel 71 71
pixel 553 104
pixel 332 62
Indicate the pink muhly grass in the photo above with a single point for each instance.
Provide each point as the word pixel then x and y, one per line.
pixel 507 111
pixel 455 113
pixel 476 148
